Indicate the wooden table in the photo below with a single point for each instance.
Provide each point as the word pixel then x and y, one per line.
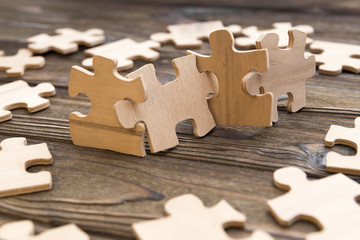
pixel 104 192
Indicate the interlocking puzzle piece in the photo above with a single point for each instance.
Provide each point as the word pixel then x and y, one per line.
pixel 167 105
pixel 124 50
pixel 15 65
pixel 329 202
pixel 287 72
pixel 232 105
pixel 332 57
pixel 189 219
pixel 189 35
pixel 252 34
pixel 25 230
pixel 100 128
pixel 15 157
pixel 66 41
pixel 18 94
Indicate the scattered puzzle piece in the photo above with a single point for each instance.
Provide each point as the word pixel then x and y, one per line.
pixel 66 41
pixel 232 106
pixel 287 72
pixel 18 94
pixel 124 51
pixel 328 202
pixel 189 35
pixel 15 65
pixel 167 105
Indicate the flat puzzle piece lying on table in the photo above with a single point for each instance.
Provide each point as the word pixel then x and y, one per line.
pixel 15 65
pixel 330 203
pixel 167 105
pixel 287 72
pixel 15 157
pixel 124 51
pixel 66 41
pixel 189 35
pixel 189 219
pixel 18 94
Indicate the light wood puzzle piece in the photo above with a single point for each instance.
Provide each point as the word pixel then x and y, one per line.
pixel 188 218
pixel 189 35
pixel 15 65
pixel 15 157
pixel 252 34
pixel 66 41
pixel 167 105
pixel 100 128
pixel 330 203
pixel 287 72
pixel 232 105
pixel 18 94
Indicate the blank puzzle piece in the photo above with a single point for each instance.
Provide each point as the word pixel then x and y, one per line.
pixel 18 94
pixel 287 72
pixel 189 219
pixel 66 41
pixel 252 34
pixel 330 203
pixel 189 35
pixel 124 50
pixel 15 157
pixel 167 105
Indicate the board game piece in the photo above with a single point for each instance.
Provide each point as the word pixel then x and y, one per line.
pixel 25 230
pixel 332 57
pixel 18 94
pixel 15 157
pixel 287 72
pixel 252 34
pixel 190 35
pixel 168 104
pixel 66 41
pixel 15 65
pixel 232 106
pixel 124 50
pixel 100 128
pixel 330 203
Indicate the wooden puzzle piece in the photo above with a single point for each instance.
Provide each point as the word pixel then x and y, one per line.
pixel 188 218
pixel 232 105
pixel 15 65
pixel 190 35
pixel 252 34
pixel 100 128
pixel 287 72
pixel 66 41
pixel 330 203
pixel 332 57
pixel 15 157
pixel 167 105
pixel 25 230
pixel 124 50
pixel 18 94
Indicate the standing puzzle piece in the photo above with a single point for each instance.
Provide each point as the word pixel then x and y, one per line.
pixel 15 157
pixel 330 203
pixel 124 51
pixel 66 41
pixel 100 128
pixel 25 230
pixel 167 105
pixel 15 65
pixel 252 34
pixel 232 106
pixel 287 72
pixel 189 35
pixel 18 94
pixel 189 219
